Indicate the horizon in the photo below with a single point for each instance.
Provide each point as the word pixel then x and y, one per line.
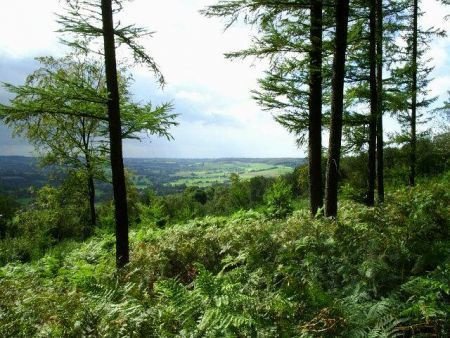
pixel 186 158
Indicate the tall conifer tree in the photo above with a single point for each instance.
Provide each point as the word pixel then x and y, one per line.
pixel 88 20
pixel 337 108
pixel 115 137
pixel 315 108
pixel 380 139
pixel 291 37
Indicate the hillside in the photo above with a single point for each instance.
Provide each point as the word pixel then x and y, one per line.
pixel 376 272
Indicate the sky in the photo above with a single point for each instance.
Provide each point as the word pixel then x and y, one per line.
pixel 217 118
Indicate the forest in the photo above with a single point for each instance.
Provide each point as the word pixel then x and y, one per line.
pixel 352 241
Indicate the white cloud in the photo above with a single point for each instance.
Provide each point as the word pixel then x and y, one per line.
pixel 192 96
pixel 28 27
pixel 434 16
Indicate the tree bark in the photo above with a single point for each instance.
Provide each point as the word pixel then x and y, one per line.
pixel 380 141
pixel 115 134
pixel 337 107
pixel 413 142
pixel 371 174
pixel 315 109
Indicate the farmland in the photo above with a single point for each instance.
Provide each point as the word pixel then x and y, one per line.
pixel 168 175
pixel 18 174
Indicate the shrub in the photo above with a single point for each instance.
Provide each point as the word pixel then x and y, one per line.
pixel 278 199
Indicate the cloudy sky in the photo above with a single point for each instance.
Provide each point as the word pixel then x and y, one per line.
pixel 217 116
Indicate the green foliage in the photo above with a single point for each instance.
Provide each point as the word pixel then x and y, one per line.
pixel 8 207
pixel 278 199
pixel 432 159
pixel 57 214
pixel 256 193
pixel 375 272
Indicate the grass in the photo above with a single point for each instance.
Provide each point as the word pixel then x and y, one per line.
pixel 211 173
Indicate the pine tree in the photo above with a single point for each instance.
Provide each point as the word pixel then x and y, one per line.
pixel 115 136
pixel 371 164
pixel 413 141
pixel 337 107
pixel 365 90
pixel 89 20
pixel 379 82
pixel 408 95
pixel 315 108
pixel 291 38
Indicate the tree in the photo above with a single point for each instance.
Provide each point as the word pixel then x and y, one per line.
pixel 413 142
pixel 365 89
pixel 379 82
pixel 337 107
pixel 61 110
pixel 291 38
pixel 91 19
pixel 409 77
pixel 371 164
pixel 315 108
pixel 115 136
pixel 375 163
pixel 73 142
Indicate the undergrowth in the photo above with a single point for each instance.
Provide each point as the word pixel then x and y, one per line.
pixel 376 272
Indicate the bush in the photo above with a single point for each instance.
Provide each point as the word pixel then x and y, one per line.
pixel 278 199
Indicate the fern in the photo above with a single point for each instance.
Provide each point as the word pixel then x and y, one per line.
pixel 386 327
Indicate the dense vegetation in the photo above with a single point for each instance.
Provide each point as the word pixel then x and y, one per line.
pixel 381 271
pixel 264 267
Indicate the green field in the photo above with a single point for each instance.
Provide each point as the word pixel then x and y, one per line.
pixel 163 175
pixel 208 173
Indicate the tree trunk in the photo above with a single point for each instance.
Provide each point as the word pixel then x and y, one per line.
pixel 90 189
pixel 371 175
pixel 337 107
pixel 91 192
pixel 87 231
pixel 115 134
pixel 413 142
pixel 380 141
pixel 315 108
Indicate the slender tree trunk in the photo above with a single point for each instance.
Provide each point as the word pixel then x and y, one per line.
pixel 91 188
pixel 115 134
pixel 371 174
pixel 380 141
pixel 91 195
pixel 91 192
pixel 90 177
pixel 413 143
pixel 337 107
pixel 315 108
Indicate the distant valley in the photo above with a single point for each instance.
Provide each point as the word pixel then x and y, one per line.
pixel 18 174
